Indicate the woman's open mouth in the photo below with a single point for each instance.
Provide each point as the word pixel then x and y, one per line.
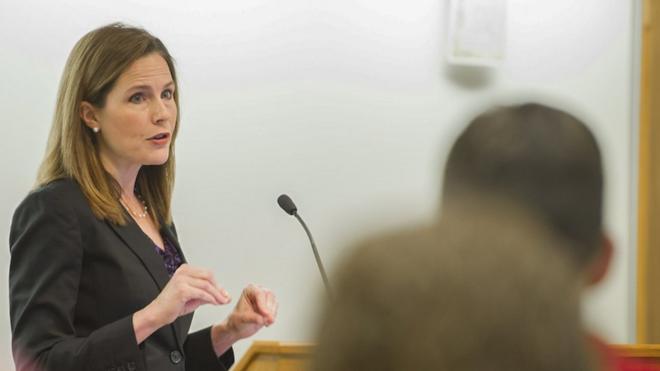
pixel 160 138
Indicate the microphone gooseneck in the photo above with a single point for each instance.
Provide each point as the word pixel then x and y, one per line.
pixel 290 208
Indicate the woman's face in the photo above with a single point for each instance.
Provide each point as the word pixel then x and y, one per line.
pixel 139 116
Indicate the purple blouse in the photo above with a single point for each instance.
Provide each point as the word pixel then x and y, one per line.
pixel 170 255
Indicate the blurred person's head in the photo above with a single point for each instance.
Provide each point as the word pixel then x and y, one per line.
pixel 541 158
pixel 466 295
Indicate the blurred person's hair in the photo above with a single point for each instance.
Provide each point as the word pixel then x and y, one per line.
pixel 467 294
pixel 540 157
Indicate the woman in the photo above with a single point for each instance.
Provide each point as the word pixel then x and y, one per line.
pixel 97 278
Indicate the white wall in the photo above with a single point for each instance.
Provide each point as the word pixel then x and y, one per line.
pixel 346 105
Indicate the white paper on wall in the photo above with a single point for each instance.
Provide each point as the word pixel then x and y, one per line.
pixel 477 32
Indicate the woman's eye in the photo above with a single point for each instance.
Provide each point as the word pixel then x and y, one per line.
pixel 136 98
pixel 167 94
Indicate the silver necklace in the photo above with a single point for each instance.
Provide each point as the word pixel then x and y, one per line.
pixel 141 215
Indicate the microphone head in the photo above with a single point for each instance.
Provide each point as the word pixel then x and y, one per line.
pixel 287 204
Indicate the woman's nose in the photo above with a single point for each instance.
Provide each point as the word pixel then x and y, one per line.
pixel 161 110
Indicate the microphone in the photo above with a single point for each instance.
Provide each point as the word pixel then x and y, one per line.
pixel 286 203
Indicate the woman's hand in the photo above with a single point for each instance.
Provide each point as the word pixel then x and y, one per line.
pixel 257 307
pixel 188 288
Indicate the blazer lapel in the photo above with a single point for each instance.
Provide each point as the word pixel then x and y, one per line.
pixel 143 247
pixel 182 324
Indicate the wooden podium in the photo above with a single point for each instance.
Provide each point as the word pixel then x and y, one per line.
pixel 277 356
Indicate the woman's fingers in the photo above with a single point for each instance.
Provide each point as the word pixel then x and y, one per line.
pixel 273 306
pixel 196 276
pixel 251 319
pixel 209 287
pixel 191 292
pixel 257 307
pixel 258 297
pixel 264 302
pixel 188 288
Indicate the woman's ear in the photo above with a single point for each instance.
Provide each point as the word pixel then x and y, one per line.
pixel 89 116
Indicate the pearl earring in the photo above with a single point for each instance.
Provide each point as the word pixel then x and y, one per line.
pixel 95 130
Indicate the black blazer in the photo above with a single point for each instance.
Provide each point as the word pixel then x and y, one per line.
pixel 75 282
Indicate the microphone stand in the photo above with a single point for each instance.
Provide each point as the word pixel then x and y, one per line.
pixel 316 254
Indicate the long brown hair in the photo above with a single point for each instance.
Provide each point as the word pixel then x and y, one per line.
pixel 93 67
